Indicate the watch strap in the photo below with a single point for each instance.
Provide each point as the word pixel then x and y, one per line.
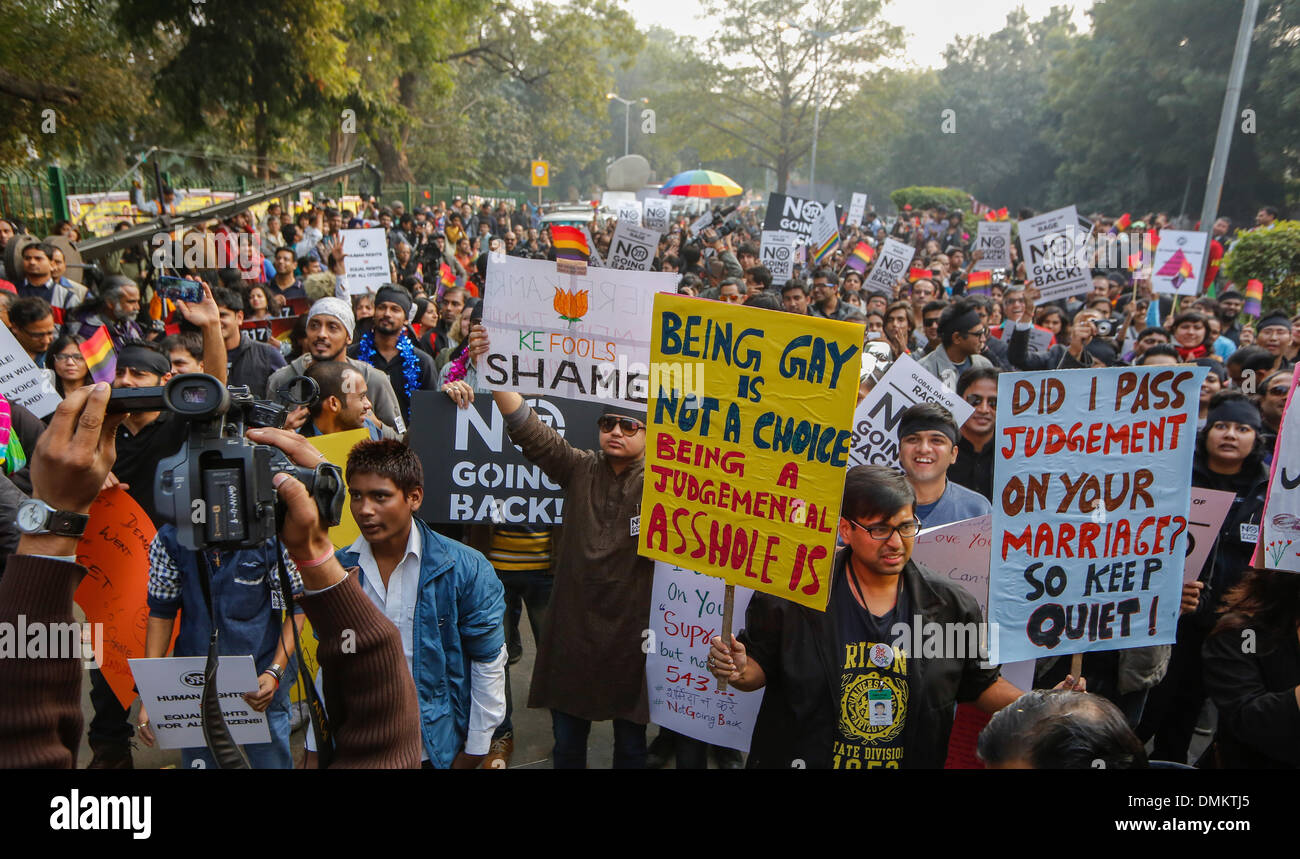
pixel 66 524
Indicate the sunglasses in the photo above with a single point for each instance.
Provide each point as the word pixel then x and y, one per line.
pixel 627 425
pixel 976 400
pixel 1278 391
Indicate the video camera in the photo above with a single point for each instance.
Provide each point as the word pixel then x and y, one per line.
pixel 717 225
pixel 217 488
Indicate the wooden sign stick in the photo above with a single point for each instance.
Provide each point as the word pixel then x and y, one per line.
pixel 1076 667
pixel 728 602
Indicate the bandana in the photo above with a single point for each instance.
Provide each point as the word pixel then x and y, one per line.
pixel 336 307
pixel 922 423
pixel 959 324
pixel 1274 319
pixel 146 360
pixel 1236 411
pixel 393 295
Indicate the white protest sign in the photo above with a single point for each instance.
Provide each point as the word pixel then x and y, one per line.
pixel 585 337
pixel 656 214
pixel 1090 508
pixel 629 210
pixel 875 423
pixel 891 264
pixel 1053 247
pixel 1179 262
pixel 632 248
pixel 1209 508
pixel 1040 339
pixel 777 254
pixel 959 552
pixel 21 381
pixel 994 238
pixel 1278 546
pixel 685 613
pixel 171 689
pixel 825 234
pixel 857 208
pixel 365 260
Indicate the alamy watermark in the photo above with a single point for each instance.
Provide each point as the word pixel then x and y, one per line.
pixel 40 640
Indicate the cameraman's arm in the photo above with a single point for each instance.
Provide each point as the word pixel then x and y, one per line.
pixel 208 319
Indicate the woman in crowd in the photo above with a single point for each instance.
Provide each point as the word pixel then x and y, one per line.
pixel 899 327
pixel 258 303
pixel 67 365
pixel 1192 336
pixel 1051 318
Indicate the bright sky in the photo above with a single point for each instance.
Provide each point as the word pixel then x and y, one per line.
pixel 929 25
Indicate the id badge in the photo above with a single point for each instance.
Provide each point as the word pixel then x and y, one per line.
pixel 881 707
pixel 635 523
pixel 1249 533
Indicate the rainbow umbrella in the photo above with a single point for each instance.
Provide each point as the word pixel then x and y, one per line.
pixel 700 183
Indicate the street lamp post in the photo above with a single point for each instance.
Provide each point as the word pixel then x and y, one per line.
pixel 627 115
pixel 821 36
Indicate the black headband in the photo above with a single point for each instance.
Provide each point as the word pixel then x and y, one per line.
pixel 959 323
pixel 394 296
pixel 907 426
pixel 1274 319
pixel 1237 411
pixel 140 358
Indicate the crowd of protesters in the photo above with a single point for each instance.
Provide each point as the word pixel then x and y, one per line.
pixel 456 596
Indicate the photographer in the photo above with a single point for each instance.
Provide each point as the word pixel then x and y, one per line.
pixel 371 696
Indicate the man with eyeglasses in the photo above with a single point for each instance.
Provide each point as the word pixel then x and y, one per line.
pixel 1272 400
pixel 32 322
pixel 961 340
pixel 601 594
pixel 974 466
pixel 827 673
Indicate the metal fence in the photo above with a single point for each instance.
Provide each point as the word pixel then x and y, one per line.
pixel 39 197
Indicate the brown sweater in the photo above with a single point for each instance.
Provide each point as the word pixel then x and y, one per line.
pixel 370 697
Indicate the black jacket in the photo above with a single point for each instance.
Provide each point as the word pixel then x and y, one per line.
pixel 973 469
pixel 1231 555
pixel 797 649
pixel 1056 358
pixel 1259 722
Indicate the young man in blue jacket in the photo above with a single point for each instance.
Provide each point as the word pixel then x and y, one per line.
pixel 444 598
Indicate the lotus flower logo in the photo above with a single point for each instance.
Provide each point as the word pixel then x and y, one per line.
pixel 571 306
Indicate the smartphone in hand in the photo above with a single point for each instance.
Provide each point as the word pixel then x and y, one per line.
pixel 177 288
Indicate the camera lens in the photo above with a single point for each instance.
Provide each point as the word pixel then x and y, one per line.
pixel 196 395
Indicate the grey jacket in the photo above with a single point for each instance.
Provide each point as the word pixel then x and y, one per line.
pixel 942 368
pixel 379 390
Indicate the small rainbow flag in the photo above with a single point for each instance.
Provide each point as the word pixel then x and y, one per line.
pixel 862 255
pixel 1254 298
pixel 445 276
pixel 101 360
pixel 1122 224
pixel 979 283
pixel 915 274
pixel 570 243
pixel 996 214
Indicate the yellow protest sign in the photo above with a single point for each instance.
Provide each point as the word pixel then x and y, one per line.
pixel 747 441
pixel 541 173
pixel 336 447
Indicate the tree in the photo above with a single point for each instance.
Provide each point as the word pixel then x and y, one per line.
pixel 1273 258
pixel 759 92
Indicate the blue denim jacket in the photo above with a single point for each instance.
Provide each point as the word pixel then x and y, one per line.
pixel 458 620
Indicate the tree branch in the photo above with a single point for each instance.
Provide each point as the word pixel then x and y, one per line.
pixel 36 91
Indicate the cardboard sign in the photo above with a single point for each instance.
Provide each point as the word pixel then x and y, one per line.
pixel 994 238
pixel 746 451
pixel 632 248
pixel 171 689
pixel 21 381
pixel 685 614
pixel 582 337
pixel 825 237
pixel 472 471
pixel 891 265
pixel 857 208
pixel 1278 545
pixel 875 421
pixel 777 254
pixel 656 214
pixel 1091 489
pixel 629 211
pixel 115 552
pixel 1179 262
pixel 1204 519
pixel 336 447
pixel 789 214
pixel 365 260
pixel 1053 247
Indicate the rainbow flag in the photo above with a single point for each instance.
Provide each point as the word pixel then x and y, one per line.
pixel 1122 224
pixel 915 274
pixel 979 283
pixel 996 214
pixel 570 243
pixel 1254 298
pixel 862 254
pixel 445 276
pixel 826 248
pixel 101 360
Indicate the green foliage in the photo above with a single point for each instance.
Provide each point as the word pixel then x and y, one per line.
pixel 1271 257
pixel 922 197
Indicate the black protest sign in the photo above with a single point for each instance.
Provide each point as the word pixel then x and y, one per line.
pixel 474 473
pixel 794 215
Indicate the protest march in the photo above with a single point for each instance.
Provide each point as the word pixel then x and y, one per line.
pixel 698 457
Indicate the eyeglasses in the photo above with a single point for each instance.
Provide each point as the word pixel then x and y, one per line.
pixel 978 335
pixel 882 531
pixel 72 358
pixel 930 323
pixel 976 400
pixel 1278 391
pixel 40 335
pixel 627 425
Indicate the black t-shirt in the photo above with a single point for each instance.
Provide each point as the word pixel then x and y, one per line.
pixel 138 456
pixel 873 683
pixel 396 374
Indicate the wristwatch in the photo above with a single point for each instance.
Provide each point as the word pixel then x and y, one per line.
pixel 37 517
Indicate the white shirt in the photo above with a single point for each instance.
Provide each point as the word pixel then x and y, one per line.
pixel 397 600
